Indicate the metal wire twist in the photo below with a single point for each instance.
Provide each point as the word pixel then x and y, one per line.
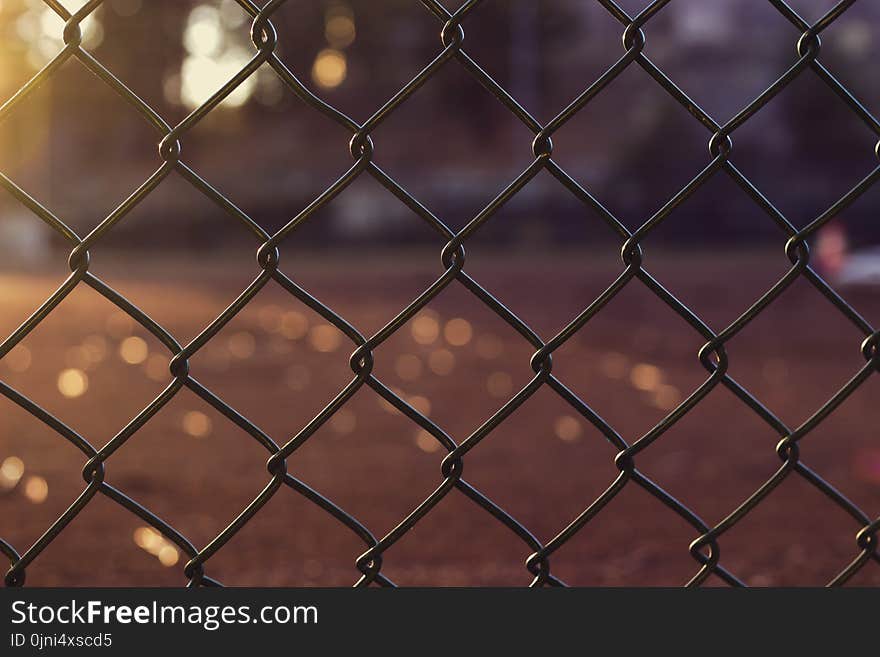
pixel 705 548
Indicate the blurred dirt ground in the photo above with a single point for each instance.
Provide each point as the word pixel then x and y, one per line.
pixel 278 364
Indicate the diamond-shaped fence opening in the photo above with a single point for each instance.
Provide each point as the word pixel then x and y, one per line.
pixel 277 319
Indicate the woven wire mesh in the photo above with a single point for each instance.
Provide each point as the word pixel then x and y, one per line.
pixel 451 51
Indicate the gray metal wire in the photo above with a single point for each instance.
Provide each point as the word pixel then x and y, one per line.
pixel 713 357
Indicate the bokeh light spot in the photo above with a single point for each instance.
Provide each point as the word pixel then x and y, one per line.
pixel 11 471
pixel 425 328
pixel 36 489
pixel 168 555
pixel 645 377
pixel 203 35
pixel 18 359
pixel 241 345
pixel 426 442
pixel 330 68
pixel 499 384
pixel 157 368
pixel 458 332
pixel 666 397
pixel 343 421
pixel 72 383
pixel 567 428
pixel 325 338
pixel 294 325
pixel 196 424
pixel 421 403
pixel 133 350
pixel 441 362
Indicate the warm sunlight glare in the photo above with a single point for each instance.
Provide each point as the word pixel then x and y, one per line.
pixel 203 35
pixel 201 77
pixel 43 30
pixel 211 60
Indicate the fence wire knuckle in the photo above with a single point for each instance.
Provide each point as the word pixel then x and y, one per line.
pixel 451 50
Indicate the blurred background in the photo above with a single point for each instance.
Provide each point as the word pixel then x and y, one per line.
pixel 80 150
pixel 453 145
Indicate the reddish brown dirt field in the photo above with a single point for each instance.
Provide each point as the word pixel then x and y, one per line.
pixel 542 464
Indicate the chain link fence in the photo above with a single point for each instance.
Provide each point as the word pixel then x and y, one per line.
pixel 451 50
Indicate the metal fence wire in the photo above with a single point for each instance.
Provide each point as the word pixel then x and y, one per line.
pixel 451 51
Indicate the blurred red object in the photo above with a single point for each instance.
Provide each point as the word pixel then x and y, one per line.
pixel 832 249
